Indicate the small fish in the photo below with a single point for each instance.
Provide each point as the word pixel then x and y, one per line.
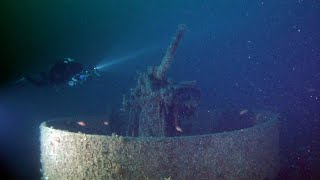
pixel 178 128
pixel 106 123
pixel 244 111
pixel 81 123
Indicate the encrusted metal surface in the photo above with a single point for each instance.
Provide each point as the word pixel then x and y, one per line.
pixel 250 153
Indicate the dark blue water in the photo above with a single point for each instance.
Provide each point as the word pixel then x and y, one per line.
pixel 247 54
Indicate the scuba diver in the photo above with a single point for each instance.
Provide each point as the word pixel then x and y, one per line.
pixel 67 72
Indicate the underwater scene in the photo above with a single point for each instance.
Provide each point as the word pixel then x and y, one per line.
pixel 160 90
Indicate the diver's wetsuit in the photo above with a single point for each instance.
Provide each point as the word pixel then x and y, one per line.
pixel 59 74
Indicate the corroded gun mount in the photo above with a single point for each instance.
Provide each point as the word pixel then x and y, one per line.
pixel 156 106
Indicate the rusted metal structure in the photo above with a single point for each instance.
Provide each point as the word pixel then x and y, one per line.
pixel 156 106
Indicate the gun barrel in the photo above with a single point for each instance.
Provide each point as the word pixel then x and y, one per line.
pixel 168 57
